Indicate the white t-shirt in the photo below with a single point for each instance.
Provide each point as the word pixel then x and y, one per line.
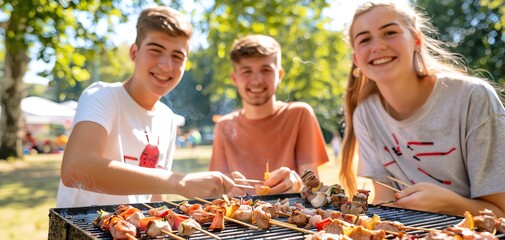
pixel 134 133
pixel 456 140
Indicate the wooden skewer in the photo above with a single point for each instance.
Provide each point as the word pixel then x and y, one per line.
pixel 229 218
pixel 273 222
pixel 386 202
pixel 421 229
pixel 281 222
pixel 398 181
pixel 172 235
pixel 131 237
pixel 244 186
pixel 240 222
pixel 284 214
pixel 289 226
pixel 171 203
pixel 391 232
pixel 196 228
pixel 247 180
pixel 147 206
pixel 385 185
pixel 206 232
pixel 267 171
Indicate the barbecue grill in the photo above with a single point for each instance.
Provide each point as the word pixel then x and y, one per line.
pixel 77 223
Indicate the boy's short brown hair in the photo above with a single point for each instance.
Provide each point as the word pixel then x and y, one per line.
pixel 255 46
pixel 164 19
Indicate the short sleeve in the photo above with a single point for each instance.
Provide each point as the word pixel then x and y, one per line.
pixel 311 147
pixel 485 142
pixel 95 105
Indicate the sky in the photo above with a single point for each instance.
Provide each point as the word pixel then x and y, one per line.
pixel 340 12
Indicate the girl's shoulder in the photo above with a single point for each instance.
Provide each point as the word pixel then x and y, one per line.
pixel 455 79
pixel 470 87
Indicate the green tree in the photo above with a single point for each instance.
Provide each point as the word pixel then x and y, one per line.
pixel 112 65
pixel 474 29
pixel 315 58
pixel 53 29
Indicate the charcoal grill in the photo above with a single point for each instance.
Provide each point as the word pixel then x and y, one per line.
pixel 77 223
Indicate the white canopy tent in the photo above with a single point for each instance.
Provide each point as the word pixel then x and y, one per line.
pixel 38 110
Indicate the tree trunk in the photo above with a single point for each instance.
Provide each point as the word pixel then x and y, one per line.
pixel 16 63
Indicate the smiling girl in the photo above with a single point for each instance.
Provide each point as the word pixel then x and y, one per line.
pixel 414 114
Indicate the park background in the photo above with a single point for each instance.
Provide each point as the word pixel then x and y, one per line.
pixel 56 48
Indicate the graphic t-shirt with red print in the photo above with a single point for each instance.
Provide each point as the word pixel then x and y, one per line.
pixel 453 140
pixel 141 137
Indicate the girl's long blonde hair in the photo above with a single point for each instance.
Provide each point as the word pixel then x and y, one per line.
pixel 436 58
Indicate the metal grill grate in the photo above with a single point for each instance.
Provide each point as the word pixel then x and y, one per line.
pixel 77 223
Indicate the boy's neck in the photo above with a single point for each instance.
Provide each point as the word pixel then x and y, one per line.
pixel 141 97
pixel 262 111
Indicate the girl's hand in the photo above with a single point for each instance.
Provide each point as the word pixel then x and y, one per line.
pixel 427 197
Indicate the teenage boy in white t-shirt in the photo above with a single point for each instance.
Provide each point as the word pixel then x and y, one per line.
pixel 123 140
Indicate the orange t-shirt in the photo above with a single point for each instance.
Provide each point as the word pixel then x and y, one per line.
pixel 291 137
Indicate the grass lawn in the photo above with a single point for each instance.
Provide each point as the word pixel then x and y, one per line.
pixel 28 189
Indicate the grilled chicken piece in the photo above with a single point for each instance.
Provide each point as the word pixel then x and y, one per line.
pixel 121 208
pixel 184 207
pixel 392 226
pixel 175 220
pixel 337 226
pixel 108 221
pixel 485 223
pixel 135 219
pixel 312 221
pixel 283 206
pixel 155 227
pixel 261 218
pixel 244 213
pixel 309 211
pixel 218 221
pixel 328 213
pixel 309 179
pixel 359 233
pixel 121 229
pixel 188 227
pixel 270 209
pixel 352 208
pixel 201 216
pixel 298 218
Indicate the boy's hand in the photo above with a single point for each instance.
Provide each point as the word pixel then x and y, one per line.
pixel 207 185
pixel 284 180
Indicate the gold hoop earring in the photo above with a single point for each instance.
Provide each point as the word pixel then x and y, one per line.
pixel 356 72
pixel 419 64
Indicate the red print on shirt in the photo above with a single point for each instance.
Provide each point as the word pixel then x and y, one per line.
pixel 150 155
pixel 417 155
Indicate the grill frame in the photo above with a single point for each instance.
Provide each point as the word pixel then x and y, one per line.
pixel 77 223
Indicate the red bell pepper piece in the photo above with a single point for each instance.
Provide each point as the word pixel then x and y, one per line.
pixel 322 224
